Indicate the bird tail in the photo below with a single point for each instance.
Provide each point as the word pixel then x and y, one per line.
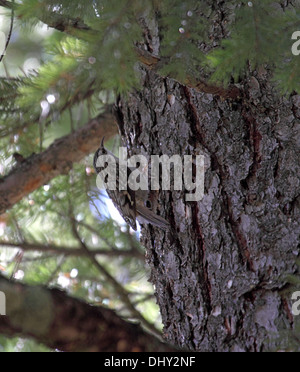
pixel 145 215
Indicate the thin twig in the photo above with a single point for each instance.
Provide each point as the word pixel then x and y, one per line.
pixel 56 270
pixel 71 120
pixel 61 250
pixel 10 30
pixel 124 295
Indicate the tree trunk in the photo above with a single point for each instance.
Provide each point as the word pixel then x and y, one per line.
pixel 219 274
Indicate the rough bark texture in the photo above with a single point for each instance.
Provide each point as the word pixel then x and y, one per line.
pixel 39 169
pixel 219 274
pixel 65 323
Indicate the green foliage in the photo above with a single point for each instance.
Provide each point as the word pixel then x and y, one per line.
pixel 54 81
pixel 58 77
pixel 96 54
pixel 33 10
pixel 47 218
pixel 261 34
pixel 19 345
pixel 184 27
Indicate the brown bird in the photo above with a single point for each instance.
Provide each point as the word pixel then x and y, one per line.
pixel 132 205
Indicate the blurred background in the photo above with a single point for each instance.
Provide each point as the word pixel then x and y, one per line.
pixel 41 237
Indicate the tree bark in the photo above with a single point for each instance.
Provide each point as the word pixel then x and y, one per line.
pixel 61 322
pixel 219 274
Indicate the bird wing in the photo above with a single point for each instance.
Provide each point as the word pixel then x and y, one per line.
pixel 126 205
pixel 127 201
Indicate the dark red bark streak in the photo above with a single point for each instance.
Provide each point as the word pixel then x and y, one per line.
pixel 288 312
pixel 255 140
pixel 196 128
pixel 240 238
pixel 204 275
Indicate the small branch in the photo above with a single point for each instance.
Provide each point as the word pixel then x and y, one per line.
pixel 133 252
pixel 147 297
pixel 61 322
pixel 58 159
pixel 120 290
pixel 53 19
pixel 10 31
pixel 56 271
pixel 75 252
pixel 70 26
pixel 7 4
pixel 154 63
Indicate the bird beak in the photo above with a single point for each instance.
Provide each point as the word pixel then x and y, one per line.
pixel 102 143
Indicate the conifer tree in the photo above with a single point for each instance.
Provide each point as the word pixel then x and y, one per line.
pixel 212 78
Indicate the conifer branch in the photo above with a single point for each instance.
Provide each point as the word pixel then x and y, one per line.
pixel 39 169
pixel 52 19
pixel 118 288
pixel 53 318
pixel 154 63
pixel 70 26
pixel 7 4
pixel 10 31
pixel 67 251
